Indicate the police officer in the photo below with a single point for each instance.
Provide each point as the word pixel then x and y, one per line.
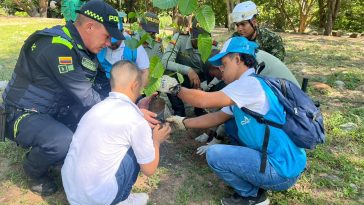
pixel 150 24
pixel 182 56
pixel 244 16
pixel 51 87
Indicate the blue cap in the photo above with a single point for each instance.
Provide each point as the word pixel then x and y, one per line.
pixel 234 45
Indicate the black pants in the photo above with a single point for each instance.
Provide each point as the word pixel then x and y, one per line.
pixel 48 138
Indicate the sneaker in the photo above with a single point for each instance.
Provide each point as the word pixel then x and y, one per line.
pixel 135 199
pixel 236 199
pixel 43 186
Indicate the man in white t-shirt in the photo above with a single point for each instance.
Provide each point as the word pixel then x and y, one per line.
pixel 243 166
pixel 112 143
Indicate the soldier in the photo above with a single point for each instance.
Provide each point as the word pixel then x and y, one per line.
pixel 182 56
pixel 244 16
pixel 150 23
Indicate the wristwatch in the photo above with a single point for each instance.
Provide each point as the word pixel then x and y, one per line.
pixel 175 90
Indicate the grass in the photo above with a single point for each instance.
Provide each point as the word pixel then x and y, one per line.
pixel 335 170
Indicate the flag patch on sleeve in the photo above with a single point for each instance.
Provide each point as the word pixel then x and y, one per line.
pixel 65 60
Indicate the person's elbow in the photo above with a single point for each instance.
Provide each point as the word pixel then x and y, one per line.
pixel 148 169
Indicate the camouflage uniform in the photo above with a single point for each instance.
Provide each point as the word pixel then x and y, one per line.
pixel 269 41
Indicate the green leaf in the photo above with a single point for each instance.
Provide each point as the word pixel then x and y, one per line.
pixel 152 87
pixel 145 37
pixel 164 4
pixel 206 17
pixel 132 43
pixel 156 68
pixel 132 15
pixel 204 46
pixel 187 6
pixel 180 78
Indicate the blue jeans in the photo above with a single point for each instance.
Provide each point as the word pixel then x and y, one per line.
pixel 126 176
pixel 238 166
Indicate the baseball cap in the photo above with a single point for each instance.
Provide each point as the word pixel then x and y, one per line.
pixel 102 12
pixel 197 29
pixel 244 11
pixel 234 45
pixel 150 22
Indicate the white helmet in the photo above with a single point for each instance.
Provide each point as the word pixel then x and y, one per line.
pixel 244 11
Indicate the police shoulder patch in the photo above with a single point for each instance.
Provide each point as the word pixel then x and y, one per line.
pixel 65 68
pixel 89 64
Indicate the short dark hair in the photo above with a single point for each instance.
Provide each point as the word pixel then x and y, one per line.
pixel 248 60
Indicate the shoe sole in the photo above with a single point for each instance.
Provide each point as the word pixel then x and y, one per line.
pixel 266 202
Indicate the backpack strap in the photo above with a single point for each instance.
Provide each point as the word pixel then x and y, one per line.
pixel 259 68
pixel 260 119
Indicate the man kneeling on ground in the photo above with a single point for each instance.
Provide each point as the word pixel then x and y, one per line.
pixel 112 143
pixel 239 165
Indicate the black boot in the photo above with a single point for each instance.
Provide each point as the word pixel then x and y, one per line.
pixel 177 105
pixel 43 186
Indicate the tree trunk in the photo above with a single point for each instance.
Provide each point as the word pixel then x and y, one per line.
pixel 229 9
pixel 280 5
pixel 305 7
pixel 329 19
pixel 322 14
pixel 28 7
pixel 43 5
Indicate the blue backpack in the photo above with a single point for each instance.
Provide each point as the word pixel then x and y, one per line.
pixel 304 122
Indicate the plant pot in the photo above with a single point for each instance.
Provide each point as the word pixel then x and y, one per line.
pixel 157 105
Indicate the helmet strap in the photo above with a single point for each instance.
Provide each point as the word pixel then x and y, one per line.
pixel 250 37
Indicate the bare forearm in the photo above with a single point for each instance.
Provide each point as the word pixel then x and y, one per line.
pixel 202 99
pixel 206 121
pixel 150 168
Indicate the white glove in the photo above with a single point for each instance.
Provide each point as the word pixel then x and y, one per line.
pixel 53 5
pixel 213 82
pixel 177 122
pixel 167 83
pixel 202 150
pixel 204 86
pixel 220 131
pixel 202 138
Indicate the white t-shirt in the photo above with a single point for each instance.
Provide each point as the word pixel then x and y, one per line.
pixel 142 60
pixel 103 136
pixel 247 92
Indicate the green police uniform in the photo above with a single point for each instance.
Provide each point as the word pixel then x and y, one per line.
pixel 154 49
pixel 180 56
pixel 269 42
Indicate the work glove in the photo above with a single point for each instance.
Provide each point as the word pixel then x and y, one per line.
pixel 203 86
pixel 177 122
pixel 202 138
pixel 202 150
pixel 167 83
pixel 220 131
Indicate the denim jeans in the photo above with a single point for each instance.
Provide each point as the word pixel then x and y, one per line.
pixel 126 176
pixel 238 166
